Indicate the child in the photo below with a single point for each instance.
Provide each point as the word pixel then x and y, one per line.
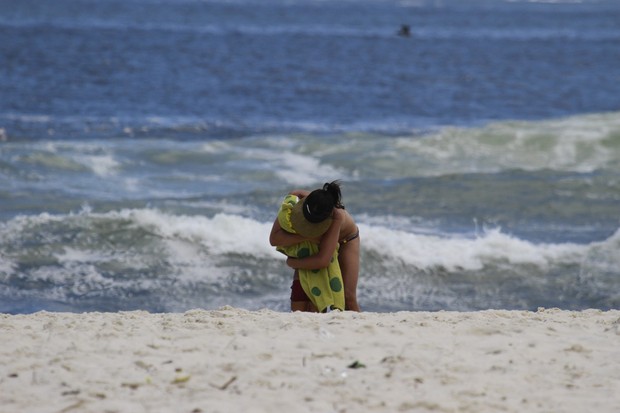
pixel 319 217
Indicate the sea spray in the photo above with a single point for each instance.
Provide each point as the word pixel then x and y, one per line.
pixel 151 258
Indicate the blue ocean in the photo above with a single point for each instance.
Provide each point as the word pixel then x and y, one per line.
pixel 145 146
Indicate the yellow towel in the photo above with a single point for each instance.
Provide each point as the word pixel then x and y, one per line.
pixel 323 286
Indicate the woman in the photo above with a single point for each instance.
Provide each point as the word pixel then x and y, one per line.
pixel 319 217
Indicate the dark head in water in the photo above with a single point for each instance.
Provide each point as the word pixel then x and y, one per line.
pixel 405 31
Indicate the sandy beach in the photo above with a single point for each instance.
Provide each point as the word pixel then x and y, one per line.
pixel 233 360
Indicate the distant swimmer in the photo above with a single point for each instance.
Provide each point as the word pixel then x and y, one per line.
pixel 405 30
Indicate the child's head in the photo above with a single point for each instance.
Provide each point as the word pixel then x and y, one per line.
pixel 318 206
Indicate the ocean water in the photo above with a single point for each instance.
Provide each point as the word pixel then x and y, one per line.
pixel 145 146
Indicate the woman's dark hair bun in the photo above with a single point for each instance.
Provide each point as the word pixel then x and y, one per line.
pixel 333 188
pixel 319 205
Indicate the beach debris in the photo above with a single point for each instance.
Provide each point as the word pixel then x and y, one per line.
pixel 615 327
pixel 132 386
pixel 145 366
pixel 225 385
pixel 356 365
pixel 577 348
pixel 74 406
pixel 181 379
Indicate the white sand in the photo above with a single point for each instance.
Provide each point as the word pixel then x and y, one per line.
pixel 233 360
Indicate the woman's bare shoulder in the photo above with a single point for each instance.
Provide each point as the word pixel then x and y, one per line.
pixel 348 226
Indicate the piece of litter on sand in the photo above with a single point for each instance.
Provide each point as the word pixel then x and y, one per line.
pixel 356 365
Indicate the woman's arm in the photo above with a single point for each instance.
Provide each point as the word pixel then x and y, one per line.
pixel 327 246
pixel 300 193
pixel 281 238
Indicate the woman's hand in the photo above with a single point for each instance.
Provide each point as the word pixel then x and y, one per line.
pixel 290 261
pixel 300 193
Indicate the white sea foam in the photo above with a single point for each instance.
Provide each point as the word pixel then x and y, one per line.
pixel 221 234
pixel 457 252
pixel 114 254
pixel 7 266
pixel 235 234
pixel 102 165
pixel 304 170
pixel 70 254
pixel 77 277
pixel 580 143
pixel 283 156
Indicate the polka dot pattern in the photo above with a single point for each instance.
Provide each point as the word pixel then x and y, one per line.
pixel 335 285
